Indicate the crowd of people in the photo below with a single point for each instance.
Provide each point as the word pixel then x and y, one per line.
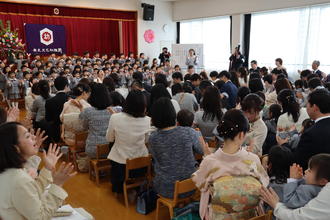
pixel 254 127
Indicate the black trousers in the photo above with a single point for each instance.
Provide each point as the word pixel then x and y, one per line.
pixel 118 175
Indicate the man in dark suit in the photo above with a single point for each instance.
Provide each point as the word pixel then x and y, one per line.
pixel 315 67
pixel 316 139
pixel 54 107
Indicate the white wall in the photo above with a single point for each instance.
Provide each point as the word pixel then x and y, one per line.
pixel 189 9
pixel 163 15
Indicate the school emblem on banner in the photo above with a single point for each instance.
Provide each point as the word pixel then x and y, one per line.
pixel 45 39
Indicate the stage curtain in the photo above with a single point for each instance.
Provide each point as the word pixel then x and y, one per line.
pixel 81 34
pixel 86 29
pixel 66 11
pixel 129 37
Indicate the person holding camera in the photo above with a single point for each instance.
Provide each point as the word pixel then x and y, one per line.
pixel 236 60
pixel 164 56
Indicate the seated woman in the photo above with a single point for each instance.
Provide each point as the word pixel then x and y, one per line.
pixel 129 131
pixel 70 113
pixel 96 118
pixel 230 178
pixel 172 148
pixel 210 114
pixel 38 110
pixel 158 91
pixel 22 196
pixel 252 105
pixel 292 114
pixel 185 99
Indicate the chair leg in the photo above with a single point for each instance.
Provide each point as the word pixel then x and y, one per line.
pixel 125 194
pixel 170 208
pixel 157 209
pixel 97 176
pixel 90 171
pixel 74 158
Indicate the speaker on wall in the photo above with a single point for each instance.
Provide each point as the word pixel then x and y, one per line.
pixel 148 12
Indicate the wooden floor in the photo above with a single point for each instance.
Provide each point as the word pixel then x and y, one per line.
pixel 99 201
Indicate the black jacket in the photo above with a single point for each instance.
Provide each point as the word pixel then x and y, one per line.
pixel 313 141
pixel 54 107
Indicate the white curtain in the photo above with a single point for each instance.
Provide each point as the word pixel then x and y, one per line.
pixel 298 36
pixel 214 34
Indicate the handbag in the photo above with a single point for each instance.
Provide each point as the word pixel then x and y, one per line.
pixel 189 212
pixel 82 162
pixel 146 199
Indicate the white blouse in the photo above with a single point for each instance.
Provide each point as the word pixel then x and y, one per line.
pixel 130 135
pixel 22 197
pixel 286 122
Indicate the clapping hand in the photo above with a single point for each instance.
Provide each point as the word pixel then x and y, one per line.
pixel 12 114
pixel 296 172
pixel 269 196
pixel 40 137
pixel 52 156
pixel 63 173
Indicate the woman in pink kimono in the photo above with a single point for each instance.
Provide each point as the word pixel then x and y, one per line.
pixel 231 178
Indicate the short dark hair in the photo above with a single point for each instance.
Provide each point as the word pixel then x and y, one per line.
pixel 138 76
pixel 9 154
pixel 281 84
pixel 117 99
pixel 135 104
pixel 204 84
pixel 100 97
pixel 158 91
pixel 109 83
pixel 80 88
pixel 276 111
pixel 305 73
pixel 252 102
pixel 195 77
pixel 190 67
pixel 268 78
pixel 214 74
pixel 256 85
pixel 43 87
pixel 161 78
pixel 320 98
pixel 60 83
pixel 137 83
pixel 225 74
pixel 232 123
pixel 281 159
pixel 176 88
pixel 241 93
pixel 279 60
pixel 314 82
pixel 163 114
pixel 185 118
pixel 187 77
pixel 321 163
pixel 177 75
pixel 254 62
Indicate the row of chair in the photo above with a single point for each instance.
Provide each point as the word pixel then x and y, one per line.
pixel 100 164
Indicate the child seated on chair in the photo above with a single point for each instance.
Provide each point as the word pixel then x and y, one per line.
pixel 301 189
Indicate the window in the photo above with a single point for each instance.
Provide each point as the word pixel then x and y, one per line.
pixel 298 36
pixel 214 34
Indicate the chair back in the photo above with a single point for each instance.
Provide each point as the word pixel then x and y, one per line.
pixel 101 150
pixel 80 139
pixel 136 163
pixel 183 186
pixel 267 216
